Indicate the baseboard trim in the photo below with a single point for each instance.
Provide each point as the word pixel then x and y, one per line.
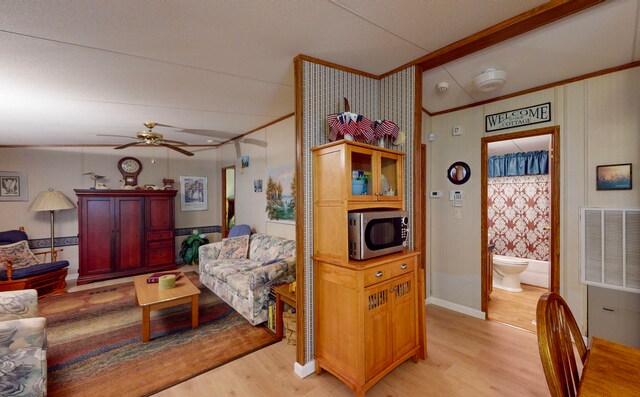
pixel 456 307
pixel 304 370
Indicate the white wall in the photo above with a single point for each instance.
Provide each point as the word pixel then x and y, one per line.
pixel 599 123
pixel 280 150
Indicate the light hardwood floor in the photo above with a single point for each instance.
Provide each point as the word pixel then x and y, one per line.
pixel 466 357
pixel 516 308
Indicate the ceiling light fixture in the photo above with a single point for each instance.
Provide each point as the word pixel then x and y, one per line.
pixel 490 79
pixel 442 87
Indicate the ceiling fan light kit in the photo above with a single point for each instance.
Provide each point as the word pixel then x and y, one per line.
pixel 490 79
pixel 150 137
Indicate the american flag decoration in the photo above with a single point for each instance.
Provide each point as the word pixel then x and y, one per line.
pixel 385 128
pixel 354 125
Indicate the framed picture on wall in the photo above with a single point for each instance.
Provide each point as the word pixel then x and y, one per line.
pixel 193 193
pixel 613 177
pixel 13 186
pixel 280 192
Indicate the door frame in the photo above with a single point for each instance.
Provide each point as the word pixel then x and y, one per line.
pixel 554 172
pixel 223 190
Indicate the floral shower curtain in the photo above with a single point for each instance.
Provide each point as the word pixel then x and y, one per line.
pixel 512 164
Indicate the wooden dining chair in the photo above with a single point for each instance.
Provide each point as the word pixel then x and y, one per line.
pixel 556 328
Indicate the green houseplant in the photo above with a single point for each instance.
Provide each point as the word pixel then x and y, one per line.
pixel 190 245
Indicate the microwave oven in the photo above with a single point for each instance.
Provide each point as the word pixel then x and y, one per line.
pixel 375 233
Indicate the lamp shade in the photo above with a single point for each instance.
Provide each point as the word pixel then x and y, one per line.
pixel 51 200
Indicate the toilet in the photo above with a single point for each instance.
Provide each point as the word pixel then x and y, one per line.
pixel 506 272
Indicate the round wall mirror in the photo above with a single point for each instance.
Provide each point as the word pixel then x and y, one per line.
pixel 459 173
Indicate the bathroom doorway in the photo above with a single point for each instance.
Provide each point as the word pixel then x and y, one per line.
pixel 228 189
pixel 520 223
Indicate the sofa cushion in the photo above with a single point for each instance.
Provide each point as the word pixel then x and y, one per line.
pixel 223 268
pixel 264 248
pixel 272 261
pixel 19 253
pixel 234 248
pixel 40 268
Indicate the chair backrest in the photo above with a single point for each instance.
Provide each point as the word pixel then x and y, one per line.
pixel 240 230
pixel 556 327
pixel 12 236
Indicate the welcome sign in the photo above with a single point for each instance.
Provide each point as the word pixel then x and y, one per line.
pixel 518 117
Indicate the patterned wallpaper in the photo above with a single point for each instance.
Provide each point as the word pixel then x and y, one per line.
pixel 518 211
pixel 323 89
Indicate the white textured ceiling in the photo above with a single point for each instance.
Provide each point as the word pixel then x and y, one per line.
pixel 71 69
pixel 601 37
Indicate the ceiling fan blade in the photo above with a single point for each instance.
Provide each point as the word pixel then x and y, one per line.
pixel 253 141
pixel 126 145
pixel 220 135
pixel 176 142
pixel 165 125
pixel 177 149
pixel 116 136
pixel 238 152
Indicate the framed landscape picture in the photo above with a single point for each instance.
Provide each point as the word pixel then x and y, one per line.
pixel 13 186
pixel 280 192
pixel 613 177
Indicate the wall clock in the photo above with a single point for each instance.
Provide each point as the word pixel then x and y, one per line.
pixel 130 168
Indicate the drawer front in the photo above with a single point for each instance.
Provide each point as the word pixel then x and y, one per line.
pixel 159 235
pixel 159 244
pixel 161 256
pixel 387 271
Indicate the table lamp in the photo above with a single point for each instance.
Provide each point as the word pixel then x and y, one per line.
pixel 51 200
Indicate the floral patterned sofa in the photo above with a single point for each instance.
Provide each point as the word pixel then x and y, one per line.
pixel 23 345
pixel 244 282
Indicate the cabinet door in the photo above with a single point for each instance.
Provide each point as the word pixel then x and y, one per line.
pixel 159 213
pixel 389 177
pixel 377 329
pixel 360 177
pixel 403 301
pixel 97 231
pixel 129 233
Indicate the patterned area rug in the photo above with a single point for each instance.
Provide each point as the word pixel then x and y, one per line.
pixel 95 346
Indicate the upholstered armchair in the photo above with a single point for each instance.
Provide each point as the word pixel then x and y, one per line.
pixel 23 345
pixel 20 269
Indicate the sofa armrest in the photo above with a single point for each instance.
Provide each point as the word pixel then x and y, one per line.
pixel 26 332
pixel 208 253
pixel 18 304
pixel 280 271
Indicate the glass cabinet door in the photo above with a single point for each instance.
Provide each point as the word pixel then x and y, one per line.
pixel 389 177
pixel 362 174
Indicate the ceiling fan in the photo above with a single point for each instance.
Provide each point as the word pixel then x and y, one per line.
pixel 150 137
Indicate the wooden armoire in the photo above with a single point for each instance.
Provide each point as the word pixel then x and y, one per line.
pixel 125 232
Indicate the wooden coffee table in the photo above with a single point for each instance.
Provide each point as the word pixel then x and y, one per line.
pixel 150 297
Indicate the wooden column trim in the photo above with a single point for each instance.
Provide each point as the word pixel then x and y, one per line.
pixel 418 210
pixel 300 257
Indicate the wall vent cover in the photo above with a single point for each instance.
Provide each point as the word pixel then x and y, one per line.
pixel 610 248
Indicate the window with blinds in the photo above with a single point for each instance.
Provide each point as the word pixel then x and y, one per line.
pixel 610 248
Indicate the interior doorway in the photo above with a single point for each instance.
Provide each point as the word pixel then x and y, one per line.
pixel 228 190
pixel 520 223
